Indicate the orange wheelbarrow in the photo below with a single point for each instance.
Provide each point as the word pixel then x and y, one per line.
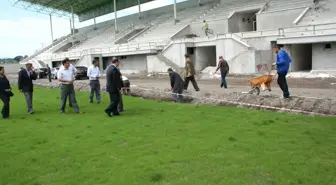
pixel 263 81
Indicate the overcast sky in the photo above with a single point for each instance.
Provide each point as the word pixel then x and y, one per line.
pixel 22 32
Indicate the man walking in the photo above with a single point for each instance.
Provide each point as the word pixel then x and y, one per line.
pixel 189 73
pixel 66 76
pixel 49 73
pixel 113 87
pixel 25 83
pixel 94 74
pixel 224 69
pixel 5 93
pixel 283 62
pixel 176 84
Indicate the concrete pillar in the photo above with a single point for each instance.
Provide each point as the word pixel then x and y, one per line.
pixel 73 22
pixel 175 14
pixel 94 21
pixel 115 16
pixel 139 4
pixel 72 32
pixel 51 30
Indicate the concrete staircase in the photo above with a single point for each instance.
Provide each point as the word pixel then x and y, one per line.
pixel 129 35
pixel 167 61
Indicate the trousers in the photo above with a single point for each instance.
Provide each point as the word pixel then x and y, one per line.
pixel 193 81
pixel 95 89
pixel 67 90
pixel 114 101
pixel 49 77
pixel 282 82
pixel 223 76
pixel 177 95
pixel 121 104
pixel 29 101
pixel 5 109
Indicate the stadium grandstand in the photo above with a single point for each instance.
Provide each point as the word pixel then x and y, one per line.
pixel 242 31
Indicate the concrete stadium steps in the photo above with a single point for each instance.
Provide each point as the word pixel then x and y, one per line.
pixel 223 10
pixel 45 49
pixel 276 5
pixel 105 38
pixel 168 28
pixel 324 13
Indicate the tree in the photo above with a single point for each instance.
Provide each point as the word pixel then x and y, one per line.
pixel 18 58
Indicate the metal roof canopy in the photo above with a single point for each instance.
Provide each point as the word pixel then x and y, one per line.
pixel 84 9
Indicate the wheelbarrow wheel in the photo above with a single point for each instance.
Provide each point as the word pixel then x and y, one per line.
pixel 256 91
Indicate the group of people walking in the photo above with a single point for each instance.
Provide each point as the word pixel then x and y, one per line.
pixel 25 85
pixel 114 85
pixel 115 82
pixel 66 77
pixel 178 85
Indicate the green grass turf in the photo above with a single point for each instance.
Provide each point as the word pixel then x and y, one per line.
pixel 163 144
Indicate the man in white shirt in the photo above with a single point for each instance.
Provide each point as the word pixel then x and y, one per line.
pixel 73 68
pixel 66 76
pixel 94 74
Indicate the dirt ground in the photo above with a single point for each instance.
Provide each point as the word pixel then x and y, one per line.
pixel 309 88
pixel 311 97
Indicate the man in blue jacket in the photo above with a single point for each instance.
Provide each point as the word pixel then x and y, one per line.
pixel 283 62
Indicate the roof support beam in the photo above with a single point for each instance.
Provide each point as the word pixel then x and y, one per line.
pixel 175 14
pixel 73 24
pixel 84 9
pixel 139 5
pixel 51 30
pixel 115 16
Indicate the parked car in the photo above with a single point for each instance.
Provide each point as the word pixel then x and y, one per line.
pixel 41 72
pixel 54 72
pixel 81 72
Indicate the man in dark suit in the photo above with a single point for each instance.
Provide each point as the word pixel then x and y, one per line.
pixel 49 73
pixel 113 87
pixel 25 83
pixel 177 85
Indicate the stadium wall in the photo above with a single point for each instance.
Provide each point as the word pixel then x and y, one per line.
pixel 131 63
pixel 238 56
pixel 260 43
pixel 235 23
pixel 277 19
pixel 324 59
pixel 205 57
